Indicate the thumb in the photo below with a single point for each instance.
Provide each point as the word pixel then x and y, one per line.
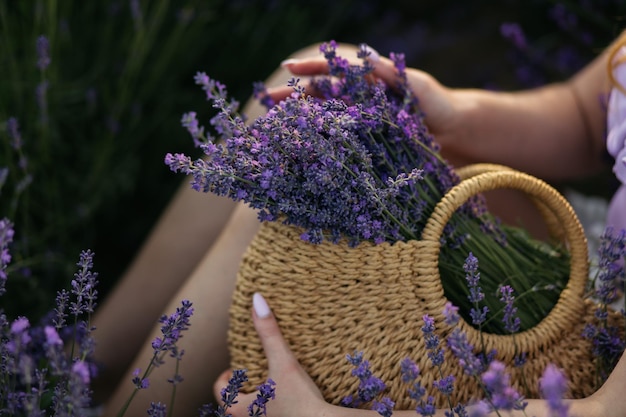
pixel 277 351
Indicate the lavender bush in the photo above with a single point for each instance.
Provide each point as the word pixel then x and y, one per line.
pixel 47 368
pixel 357 162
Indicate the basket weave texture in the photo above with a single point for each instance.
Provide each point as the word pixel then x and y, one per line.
pixel 331 300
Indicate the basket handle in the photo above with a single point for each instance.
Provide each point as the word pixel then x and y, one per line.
pixel 569 306
pixel 554 227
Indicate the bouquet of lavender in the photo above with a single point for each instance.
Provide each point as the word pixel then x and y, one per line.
pixel 355 161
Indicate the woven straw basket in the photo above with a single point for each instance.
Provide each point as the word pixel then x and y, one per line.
pixel 331 300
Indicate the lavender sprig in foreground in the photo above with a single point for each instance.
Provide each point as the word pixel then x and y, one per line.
pixel 172 328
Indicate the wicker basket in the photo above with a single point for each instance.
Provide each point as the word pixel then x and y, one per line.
pixel 331 300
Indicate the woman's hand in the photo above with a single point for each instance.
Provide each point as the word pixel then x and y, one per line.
pixel 296 394
pixel 436 101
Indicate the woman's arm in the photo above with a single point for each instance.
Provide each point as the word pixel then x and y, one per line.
pixel 555 132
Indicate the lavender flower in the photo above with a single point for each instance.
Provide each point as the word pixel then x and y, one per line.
pixel 476 295
pixel 84 286
pixel 553 385
pixel 13 130
pixel 138 381
pixel 62 300
pixel 451 314
pixel 431 341
pixel 384 407
pixel 266 392
pixel 514 33
pixel 427 408
pixel 370 386
pixel 172 328
pixel 480 409
pixel 445 385
pixel 157 410
pixel 501 395
pixel 611 255
pixel 410 372
pixel 6 237
pixel 609 283
pixel 190 122
pixel 464 352
pixel 231 391
pixel 43 53
pixel 510 319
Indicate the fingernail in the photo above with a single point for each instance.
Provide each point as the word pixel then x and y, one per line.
pixel 261 308
pixel 288 62
pixel 374 56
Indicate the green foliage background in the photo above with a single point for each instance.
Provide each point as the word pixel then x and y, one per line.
pixel 119 82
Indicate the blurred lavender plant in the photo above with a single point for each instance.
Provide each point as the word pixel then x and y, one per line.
pixel 553 386
pixel 356 162
pixel 563 40
pixel 39 377
pixel 607 288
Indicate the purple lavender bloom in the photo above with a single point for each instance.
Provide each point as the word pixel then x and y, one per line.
pixel 52 337
pixel 6 237
pixel 611 254
pixel 157 410
pixel 553 386
pixel 510 319
pixel 190 122
pixel 410 372
pixel 266 392
pixel 476 295
pixel 431 340
pixel 172 327
pixel 445 385
pixel 13 130
pixel 514 33
pixel 140 382
pixel 480 409
pixel 607 344
pixel 451 314
pixel 41 96
pixel 497 382
pixel 43 53
pixel 135 11
pixel 84 286
pixel 231 391
pixel 384 407
pixel 464 352
pixel 427 408
pixel 62 300
pixel 81 369
pixel 370 386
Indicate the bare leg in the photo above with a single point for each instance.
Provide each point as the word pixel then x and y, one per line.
pixel 209 288
pixel 183 235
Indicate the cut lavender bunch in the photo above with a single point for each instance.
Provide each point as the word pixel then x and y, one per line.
pixel 357 162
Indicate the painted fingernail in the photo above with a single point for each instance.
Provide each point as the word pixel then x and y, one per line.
pixel 288 62
pixel 261 308
pixel 374 56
